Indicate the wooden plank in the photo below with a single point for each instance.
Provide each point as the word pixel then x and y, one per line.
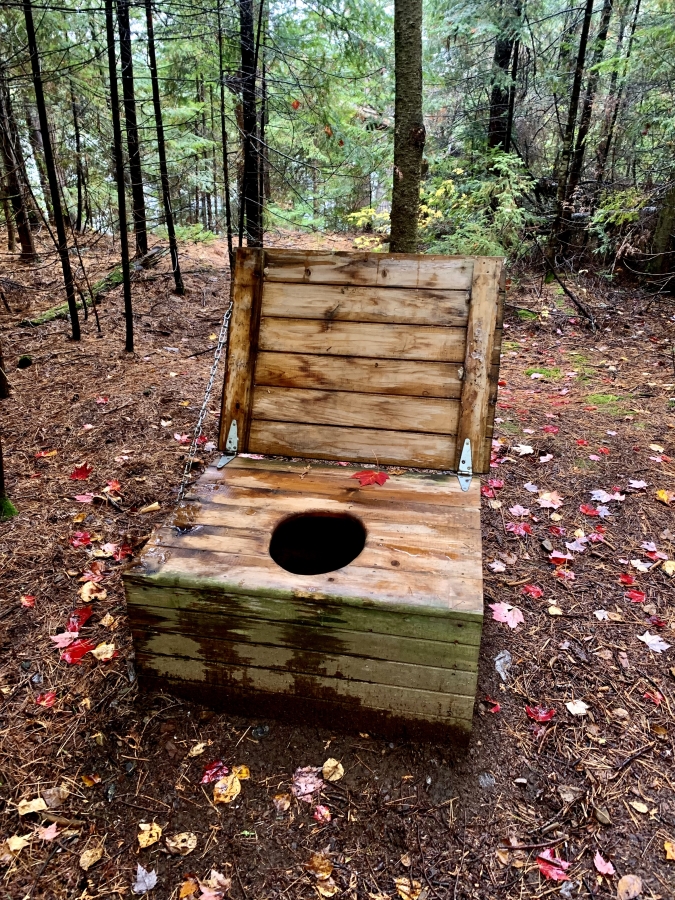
pixel 246 629
pixel 413 378
pixel 369 339
pixel 376 269
pixel 344 303
pixel 323 613
pixel 477 366
pixel 355 444
pixel 397 700
pixel 242 344
pixel 413 414
pixel 322 659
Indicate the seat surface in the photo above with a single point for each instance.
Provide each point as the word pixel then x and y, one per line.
pixel 422 549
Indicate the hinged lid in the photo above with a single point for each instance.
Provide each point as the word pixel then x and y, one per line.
pixel 366 357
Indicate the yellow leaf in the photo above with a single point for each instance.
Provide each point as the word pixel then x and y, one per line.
pixel 103 652
pixel 91 591
pixel 90 780
pixel 320 866
pixel 31 806
pixel 182 844
pixel 16 843
pixel 107 621
pixel 408 888
pixel 213 337
pixel 669 567
pixel 333 770
pixel 80 517
pixel 148 834
pixel 90 857
pixel 669 847
pixel 326 888
pixel 197 749
pixel 242 772
pixel 664 496
pixel 151 507
pixel 555 611
pixel 657 448
pixel 226 789
pixel 188 888
pixel 640 807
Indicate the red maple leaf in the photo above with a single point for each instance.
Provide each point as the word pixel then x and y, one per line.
pixel 539 713
pixel 655 696
pixel 123 551
pixel 657 621
pixel 80 539
pixel 496 483
pixel 533 590
pixel 520 529
pixel 604 450
pixel 551 429
pixel 101 400
pixel 495 706
pixel 215 770
pixel 552 867
pixel 625 578
pixel 588 510
pixel 73 654
pixel 582 443
pixel 48 699
pixel 557 530
pixel 635 596
pixel 81 473
pixel 78 618
pixel 370 476
pixel 114 485
pixel 487 491
pixel 27 600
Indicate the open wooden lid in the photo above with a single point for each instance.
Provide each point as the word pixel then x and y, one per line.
pixel 366 357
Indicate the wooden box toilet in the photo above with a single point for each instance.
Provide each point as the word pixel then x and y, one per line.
pixel 288 587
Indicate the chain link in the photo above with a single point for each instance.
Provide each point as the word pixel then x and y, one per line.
pixel 222 338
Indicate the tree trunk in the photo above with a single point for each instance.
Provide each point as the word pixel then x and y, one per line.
pixel 501 112
pixel 7 508
pixel 15 172
pixel 662 242
pixel 35 138
pixel 223 138
pixel 51 171
pixel 577 159
pixel 568 138
pixel 161 151
pixel 138 200
pixel 78 158
pixel 512 98
pixel 409 131
pixel 119 175
pixel 249 52
pixel 614 104
pixel 4 383
pixel 6 209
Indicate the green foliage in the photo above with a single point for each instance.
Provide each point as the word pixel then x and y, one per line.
pixel 553 374
pixel 7 509
pixel 196 233
pixel 616 212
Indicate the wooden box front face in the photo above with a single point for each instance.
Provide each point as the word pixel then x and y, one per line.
pixel 380 358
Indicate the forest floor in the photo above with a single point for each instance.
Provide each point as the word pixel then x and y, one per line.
pixel 85 759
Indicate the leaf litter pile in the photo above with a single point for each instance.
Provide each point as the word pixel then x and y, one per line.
pixel 567 785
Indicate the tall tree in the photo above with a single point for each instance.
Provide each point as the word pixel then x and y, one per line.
pixel 503 81
pixel 35 139
pixel 133 147
pixel 119 175
pixel 51 171
pixel 409 130
pixel 568 137
pixel 7 508
pixel 223 139
pixel 251 182
pixel 15 171
pixel 79 170
pixel 161 151
pixel 6 209
pixel 577 159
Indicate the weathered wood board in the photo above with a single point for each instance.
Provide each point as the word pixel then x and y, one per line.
pixel 349 357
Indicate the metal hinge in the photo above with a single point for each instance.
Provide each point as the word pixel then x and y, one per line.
pixel 231 446
pixel 464 471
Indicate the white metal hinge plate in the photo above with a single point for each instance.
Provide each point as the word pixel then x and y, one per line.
pixel 231 446
pixel 465 471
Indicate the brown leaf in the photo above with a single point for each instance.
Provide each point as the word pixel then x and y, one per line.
pixel 629 887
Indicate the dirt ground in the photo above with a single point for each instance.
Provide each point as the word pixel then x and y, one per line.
pixel 579 411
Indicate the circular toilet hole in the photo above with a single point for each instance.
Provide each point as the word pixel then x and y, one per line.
pixel 316 542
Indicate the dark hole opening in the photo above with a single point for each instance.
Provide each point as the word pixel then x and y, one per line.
pixel 317 542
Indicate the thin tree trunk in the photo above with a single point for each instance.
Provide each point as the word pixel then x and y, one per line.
pixel 568 139
pixel 78 158
pixel 35 138
pixel 119 175
pixel 251 198
pixel 512 98
pixel 51 171
pixel 14 171
pixel 500 96
pixel 4 383
pixel 7 508
pixel 613 107
pixel 409 131
pixel 662 242
pixel 577 160
pixel 223 139
pixel 214 164
pixel 138 200
pixel 6 209
pixel 161 151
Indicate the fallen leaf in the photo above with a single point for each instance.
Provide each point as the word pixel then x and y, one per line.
pixel 45 454
pixel 306 782
pixel 664 496
pixel 81 473
pixel 332 770
pixel 151 507
pixel 551 867
pixel 63 640
pixel 408 888
pixel 48 833
pixel 181 844
pixel 196 749
pixel 55 796
pixel 90 857
pixel 78 618
pixel 669 568
pixel 213 771
pixel 577 707
pixel 550 500
pixel 523 449
pixel 80 539
pixel 282 803
pixel 654 642
pixel 322 815
pixel 605 868
pixel 27 600
pixel 17 842
pixel 669 847
pixel 369 476
pixel 319 865
pixel 639 806
pixel 497 566
pixel 519 511
pixel 327 888
pixel 226 789
pixel 629 887
pixel 555 611
pixel 148 834
pixel 533 590
pixel 90 780
pixel 25 807
pixel 48 699
pixel 189 887
pixel 635 596
pixel 91 591
pixel 145 881
pixel 104 652
pixel 504 612
pixel 539 713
